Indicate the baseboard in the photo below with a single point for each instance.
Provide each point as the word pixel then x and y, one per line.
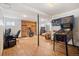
pixel 1 53
pixel 73 45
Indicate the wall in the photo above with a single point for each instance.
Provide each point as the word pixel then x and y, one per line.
pixel 76 21
pixel 1 33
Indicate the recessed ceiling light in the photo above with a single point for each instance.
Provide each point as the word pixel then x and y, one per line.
pixel 24 16
pixel 42 19
pixel 50 4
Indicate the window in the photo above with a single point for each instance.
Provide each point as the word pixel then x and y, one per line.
pixel 1 23
pixel 10 23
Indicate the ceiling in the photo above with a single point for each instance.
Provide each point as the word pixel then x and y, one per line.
pixel 54 8
pixel 46 10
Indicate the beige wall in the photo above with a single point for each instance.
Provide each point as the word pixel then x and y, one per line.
pixel 1 33
pixel 1 40
pixel 76 25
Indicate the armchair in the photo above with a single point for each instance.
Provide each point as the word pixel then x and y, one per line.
pixel 10 40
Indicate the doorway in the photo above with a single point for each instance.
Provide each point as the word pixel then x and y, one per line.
pixel 28 28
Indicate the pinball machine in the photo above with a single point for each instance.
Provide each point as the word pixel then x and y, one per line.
pixel 65 34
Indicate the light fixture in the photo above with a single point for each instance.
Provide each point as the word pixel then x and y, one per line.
pixel 50 4
pixel 42 19
pixel 24 16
